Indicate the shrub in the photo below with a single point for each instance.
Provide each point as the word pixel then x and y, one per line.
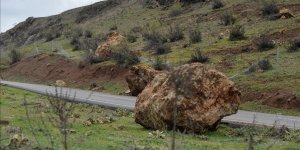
pixel 131 37
pixel 159 64
pixel 90 44
pixel 91 58
pixel 237 33
pixel 162 49
pixel 77 32
pixel 153 39
pixel 264 43
pixel 74 41
pixel 264 64
pixel 88 34
pixel 175 12
pixel 198 57
pixel 81 18
pixel 76 47
pixel 216 4
pixel 49 37
pixel 123 56
pixel 14 56
pixel 251 69
pixel 227 19
pixel 294 45
pixel 114 27
pixel 136 29
pixel 175 34
pixel 269 8
pixel 195 36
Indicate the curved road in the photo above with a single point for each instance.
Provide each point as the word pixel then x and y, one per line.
pixel 128 102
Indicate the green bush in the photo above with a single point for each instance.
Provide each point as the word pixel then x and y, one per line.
pixel 153 39
pixel 114 27
pixel 216 4
pixel 197 56
pixel 76 47
pixel 264 64
pixel 90 44
pixel 175 34
pixel 131 37
pixel 264 43
pixel 159 64
pixel 49 37
pixel 14 56
pixel 269 8
pixel 77 32
pixel 175 12
pixel 88 34
pixel 123 56
pixel 237 33
pixel 136 29
pixel 93 59
pixel 195 36
pixel 162 49
pixel 294 45
pixel 74 41
pixel 227 19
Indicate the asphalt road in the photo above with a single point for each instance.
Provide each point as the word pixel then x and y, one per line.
pixel 128 102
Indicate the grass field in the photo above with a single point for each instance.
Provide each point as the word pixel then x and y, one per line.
pixel 117 129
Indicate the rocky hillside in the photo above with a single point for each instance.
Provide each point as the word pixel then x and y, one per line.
pixel 255 43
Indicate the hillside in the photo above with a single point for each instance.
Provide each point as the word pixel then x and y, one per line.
pixel 245 59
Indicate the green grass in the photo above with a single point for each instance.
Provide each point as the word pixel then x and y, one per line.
pixel 255 106
pixel 114 88
pixel 122 133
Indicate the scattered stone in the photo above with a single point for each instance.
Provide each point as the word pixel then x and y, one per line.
pixel 18 141
pixel 98 89
pixel 285 13
pixel 60 83
pixel 103 120
pixel 201 96
pixel 157 134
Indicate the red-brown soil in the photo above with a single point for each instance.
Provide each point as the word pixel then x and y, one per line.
pixel 49 68
pixel 275 98
pixel 285 35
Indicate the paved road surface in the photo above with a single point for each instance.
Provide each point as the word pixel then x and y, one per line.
pixel 128 102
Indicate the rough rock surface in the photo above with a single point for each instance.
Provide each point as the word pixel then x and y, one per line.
pixel 286 13
pixel 138 78
pixel 202 96
pixel 103 50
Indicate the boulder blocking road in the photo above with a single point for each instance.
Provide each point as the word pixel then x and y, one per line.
pixel 128 102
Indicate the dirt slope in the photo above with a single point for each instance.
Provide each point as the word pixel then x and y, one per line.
pixel 50 68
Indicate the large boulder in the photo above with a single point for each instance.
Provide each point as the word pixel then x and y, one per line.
pixel 201 96
pixel 138 78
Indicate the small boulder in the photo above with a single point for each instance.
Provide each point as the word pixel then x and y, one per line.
pixel 139 77
pixel 104 49
pixel 285 13
pixel 201 96
pixel 60 83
